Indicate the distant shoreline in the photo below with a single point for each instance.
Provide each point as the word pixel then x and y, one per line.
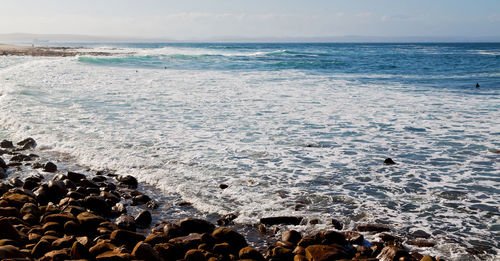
pixel 16 50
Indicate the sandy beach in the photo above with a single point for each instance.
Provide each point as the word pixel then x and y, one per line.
pixel 17 50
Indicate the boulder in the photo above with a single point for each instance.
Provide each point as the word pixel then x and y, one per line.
pixel 42 247
pixel 79 251
pixel 193 225
pixel 172 230
pixel 126 222
pixel 353 237
pixel 144 251
pixel 325 252
pixel 7 231
pixel 156 238
pixel 250 253
pixel 56 255
pixel 280 253
pixel 127 181
pixel 372 228
pixel 284 220
pixel 9 212
pixel 89 221
pixel 390 253
pixel 230 236
pixel 17 199
pixel 59 218
pixel 140 200
pixel 49 167
pixel 63 242
pixel 75 177
pixel 97 204
pixel 10 252
pixel 102 247
pixel 143 219
pixel 194 255
pixel 28 143
pixel 3 165
pixel 126 237
pixel 389 161
pixel 6 144
pixel 291 236
pixel 330 237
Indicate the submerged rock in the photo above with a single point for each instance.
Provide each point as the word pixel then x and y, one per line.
pixel 284 220
pixel 389 161
pixel 6 144
pixel 28 143
pixel 50 167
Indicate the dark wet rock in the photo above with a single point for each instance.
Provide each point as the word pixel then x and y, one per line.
pixel 14 164
pixel 314 221
pixel 71 228
pixel 223 249
pixel 421 243
pixel 127 181
pixel 284 220
pixel 143 219
pixel 193 225
pixel 223 186
pixel 169 251
pixel 226 220
pixel 79 251
pixel 3 165
pixel 6 144
pixel 330 237
pixel 59 218
pixel 9 212
pixel 420 234
pixel 99 179
pixel 28 143
pixel 230 236
pixel 36 165
pixel 145 251
pixel 390 253
pixel 140 200
pixel 114 256
pixel 352 237
pixel 291 236
pixel 42 247
pixel 49 167
pixel 126 222
pixel 279 253
pixel 250 253
pixel 30 219
pixel 53 226
pixel 185 204
pixel 10 252
pixel 75 195
pixel 126 237
pixel 3 173
pixel 30 208
pixel 7 231
pixel 194 255
pixel 20 157
pixel 427 258
pixel 74 210
pixel 152 204
pixel 96 204
pixel 31 183
pixel 156 238
pixel 372 228
pixel 172 230
pixel 75 177
pixel 16 182
pixel 389 161
pixel 190 241
pixel 119 208
pixel 325 252
pixel 56 255
pixel 102 247
pixel 112 198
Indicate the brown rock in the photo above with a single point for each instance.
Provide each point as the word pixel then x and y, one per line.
pixel 17 199
pixel 372 228
pixel 223 249
pixel 89 221
pixel 299 251
pixel 59 218
pixel 284 220
pixel 49 167
pixel 56 255
pixel 194 255
pixel 156 238
pixel 34 237
pixel 79 251
pixel 145 251
pixel 71 228
pixel 30 219
pixel 236 240
pixel 9 232
pixel 64 242
pixel 127 181
pixel 299 258
pixel 10 251
pixel 291 236
pixel 28 143
pixel 390 253
pixel 143 219
pixel 169 251
pixel 191 241
pixel 172 230
pixel 42 247
pixel 193 225
pixel 353 237
pixel 9 212
pixel 421 243
pixel 280 253
pixel 330 237
pixel 307 241
pixel 250 253
pixel 126 237
pixel 428 258
pixel 126 222
pixel 114 256
pixel 52 226
pixel 101 248
pixel 49 238
pixel 325 252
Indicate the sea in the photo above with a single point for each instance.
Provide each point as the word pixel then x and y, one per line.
pixel 295 129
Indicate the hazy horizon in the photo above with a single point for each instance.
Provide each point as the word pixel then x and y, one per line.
pixel 197 20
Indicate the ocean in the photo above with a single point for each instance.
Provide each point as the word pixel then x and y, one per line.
pixel 292 129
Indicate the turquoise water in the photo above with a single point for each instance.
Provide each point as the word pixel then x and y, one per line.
pixel 284 124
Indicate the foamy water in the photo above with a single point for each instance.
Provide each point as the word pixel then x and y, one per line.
pixel 280 135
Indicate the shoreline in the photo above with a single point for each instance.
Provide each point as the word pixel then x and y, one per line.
pixel 17 50
pixel 51 213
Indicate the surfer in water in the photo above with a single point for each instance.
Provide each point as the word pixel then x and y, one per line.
pixel 477 85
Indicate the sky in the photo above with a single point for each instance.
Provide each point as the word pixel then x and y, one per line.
pixel 205 19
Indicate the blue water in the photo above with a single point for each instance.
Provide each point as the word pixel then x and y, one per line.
pixel 284 124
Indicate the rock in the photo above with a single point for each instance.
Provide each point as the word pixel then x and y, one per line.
pixel 330 237
pixel 250 253
pixel 6 144
pixel 152 204
pixel 420 234
pixel 145 251
pixel 353 237
pixel 49 167
pixel 114 199
pixel 71 228
pixel 16 199
pixel 9 212
pixel 372 228
pixel 126 222
pixel 127 181
pixel 89 221
pixel 7 231
pixel 42 247
pixel 75 177
pixel 79 251
pixel 16 182
pixel 230 236
pixel 101 248
pixel 325 252
pixel 56 255
pixel 314 221
pixel 28 143
pixel 307 241
pixel 390 253
pixel 31 183
pixel 421 243
pixel 3 165
pixel 53 226
pixel 222 249
pixel 280 253
pixel 9 251
pixel 97 204
pixel 226 219
pixel 3 173
pixel 299 258
pixel 193 225
pixel 119 208
pixel 59 218
pixel 140 200
pixel 156 238
pixel 284 220
pixel 20 157
pixel 194 255
pixel 172 230
pixel 169 251
pixel 223 186
pixel 30 219
pixel 428 258
pixel 64 242
pixel 114 256
pixel 291 236
pixel 126 237
pixel 389 161
pixel 143 219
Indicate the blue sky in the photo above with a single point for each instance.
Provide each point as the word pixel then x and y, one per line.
pixel 200 19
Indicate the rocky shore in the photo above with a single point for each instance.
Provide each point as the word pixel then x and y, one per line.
pixel 50 214
pixel 16 50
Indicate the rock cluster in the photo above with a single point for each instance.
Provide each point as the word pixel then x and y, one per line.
pixel 73 216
